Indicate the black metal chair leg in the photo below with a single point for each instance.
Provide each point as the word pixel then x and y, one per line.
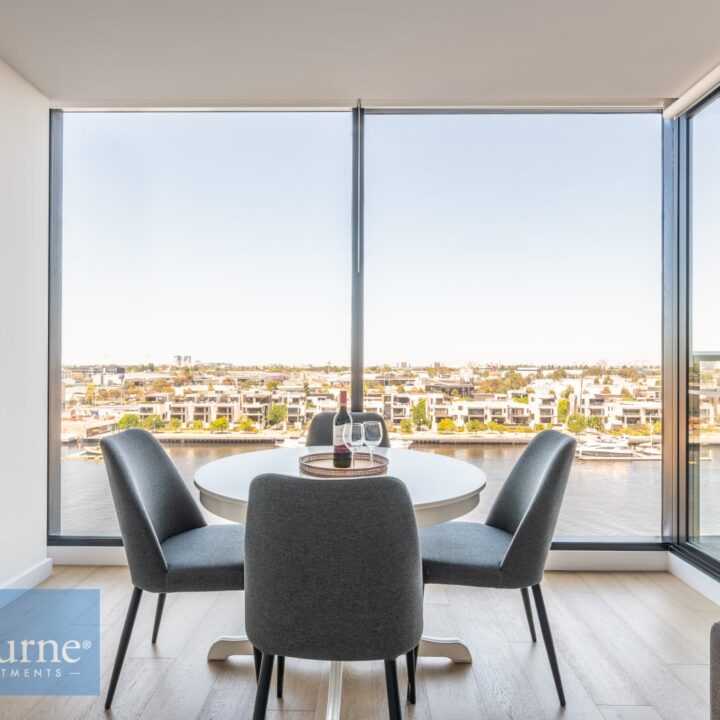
pixel 547 637
pixel 257 656
pixel 123 645
pixel 280 675
pixel 158 616
pixel 393 692
pixel 411 659
pixel 528 613
pixel 263 688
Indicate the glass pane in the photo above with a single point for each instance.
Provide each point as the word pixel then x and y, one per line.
pixel 513 283
pixel 205 272
pixel 704 362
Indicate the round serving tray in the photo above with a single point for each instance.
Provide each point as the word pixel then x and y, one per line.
pixel 321 465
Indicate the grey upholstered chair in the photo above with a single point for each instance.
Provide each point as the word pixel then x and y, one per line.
pixel 320 431
pixel 510 549
pixel 715 672
pixel 169 546
pixel 332 572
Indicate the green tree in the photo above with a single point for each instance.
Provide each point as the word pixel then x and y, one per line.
pixel 406 426
pixel 605 390
pixel 220 424
pixel 563 409
pixel 174 424
pixel 558 374
pixel 576 423
pixel 277 414
pixel 246 425
pixel 152 423
pixel 595 422
pixel 419 414
pixel 129 420
pixel 514 380
pixel 446 425
pixel 89 394
pixel 475 426
pixel 197 425
pixel 568 391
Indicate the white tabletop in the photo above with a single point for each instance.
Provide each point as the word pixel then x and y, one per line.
pixel 441 488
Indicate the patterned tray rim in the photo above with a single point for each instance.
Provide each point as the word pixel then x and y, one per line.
pixel 380 464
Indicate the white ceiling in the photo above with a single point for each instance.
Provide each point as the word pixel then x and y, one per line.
pixel 330 52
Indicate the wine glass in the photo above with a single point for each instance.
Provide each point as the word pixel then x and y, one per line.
pixel 373 436
pixel 353 437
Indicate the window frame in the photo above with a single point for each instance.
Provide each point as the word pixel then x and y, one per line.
pixel 671 316
pixel 681 544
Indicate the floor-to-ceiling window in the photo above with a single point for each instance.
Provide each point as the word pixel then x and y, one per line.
pixel 513 283
pixel 204 273
pixel 704 334
pixel 512 273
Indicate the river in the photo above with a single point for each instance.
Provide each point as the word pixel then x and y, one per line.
pixel 603 497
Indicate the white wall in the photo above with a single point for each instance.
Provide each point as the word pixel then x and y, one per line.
pixel 23 329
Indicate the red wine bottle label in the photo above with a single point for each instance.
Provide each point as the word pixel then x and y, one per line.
pixel 338 439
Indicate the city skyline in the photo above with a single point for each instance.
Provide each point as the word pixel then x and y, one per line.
pixel 394 365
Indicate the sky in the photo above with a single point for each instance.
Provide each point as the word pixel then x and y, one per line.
pixel 705 259
pixel 488 238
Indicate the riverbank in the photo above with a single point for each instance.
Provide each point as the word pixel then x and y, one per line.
pixel 418 438
pixel 425 438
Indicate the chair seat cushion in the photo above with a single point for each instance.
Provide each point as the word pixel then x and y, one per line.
pixel 463 553
pixel 206 558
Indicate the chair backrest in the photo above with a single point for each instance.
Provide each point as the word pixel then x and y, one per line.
pixel 528 505
pixel 151 500
pixel 320 431
pixel 332 568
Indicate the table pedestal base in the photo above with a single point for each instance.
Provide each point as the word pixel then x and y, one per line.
pixel 230 645
pixel 334 691
pixel 451 648
pixel 454 649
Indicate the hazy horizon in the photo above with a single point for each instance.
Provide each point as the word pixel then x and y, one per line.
pixel 391 366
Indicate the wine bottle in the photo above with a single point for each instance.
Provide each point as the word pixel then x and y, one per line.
pixel 341 452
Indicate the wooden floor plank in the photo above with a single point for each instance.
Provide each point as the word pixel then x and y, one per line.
pixel 652 679
pixel 590 659
pixel 534 663
pixel 668 642
pixel 631 646
pixel 630 712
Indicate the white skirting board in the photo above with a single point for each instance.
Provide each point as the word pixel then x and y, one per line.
pixel 87 555
pixel 696 579
pixel 607 560
pixel 568 560
pixel 588 560
pixel 32 576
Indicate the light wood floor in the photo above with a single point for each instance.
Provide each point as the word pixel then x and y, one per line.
pixel 632 646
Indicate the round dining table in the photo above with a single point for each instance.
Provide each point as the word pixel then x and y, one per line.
pixel 441 488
